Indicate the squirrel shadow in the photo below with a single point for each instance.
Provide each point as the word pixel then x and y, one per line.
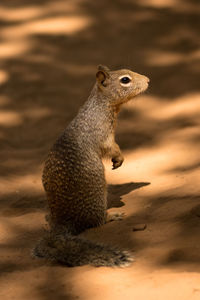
pixel 15 205
pixel 116 191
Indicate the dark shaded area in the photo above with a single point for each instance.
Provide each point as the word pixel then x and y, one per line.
pixel 19 204
pixel 16 253
pixel 116 191
pixel 56 288
pixel 186 168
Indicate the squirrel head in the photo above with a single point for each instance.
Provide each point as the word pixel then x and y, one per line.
pixel 120 86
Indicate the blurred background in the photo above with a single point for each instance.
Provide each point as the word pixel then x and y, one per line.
pixel 49 52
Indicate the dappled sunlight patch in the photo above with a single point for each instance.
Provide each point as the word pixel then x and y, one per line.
pixel 10 118
pixel 172 127
pixel 145 103
pixel 25 22
pixel 188 105
pixel 20 14
pixel 52 26
pixel 135 283
pixel 153 164
pixel 7 227
pixel 21 183
pixel 3 76
pixel 144 167
pixel 164 58
pixel 159 3
pixel 26 13
pixel 14 225
pixel 58 25
pixel 176 5
pixel 37 113
pixel 152 107
pixel 14 48
pixel 167 58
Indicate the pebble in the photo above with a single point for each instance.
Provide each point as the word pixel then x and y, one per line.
pixel 139 227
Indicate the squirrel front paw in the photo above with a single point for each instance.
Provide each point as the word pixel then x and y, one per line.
pixel 117 162
pixel 114 216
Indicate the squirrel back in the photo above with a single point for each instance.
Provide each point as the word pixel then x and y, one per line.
pixel 73 175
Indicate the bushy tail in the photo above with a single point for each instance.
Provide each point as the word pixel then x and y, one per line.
pixel 75 251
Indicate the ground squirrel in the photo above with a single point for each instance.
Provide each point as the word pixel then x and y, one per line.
pixel 73 175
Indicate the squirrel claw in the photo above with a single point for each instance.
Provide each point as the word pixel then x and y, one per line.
pixel 116 164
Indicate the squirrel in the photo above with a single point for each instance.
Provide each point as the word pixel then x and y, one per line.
pixel 73 175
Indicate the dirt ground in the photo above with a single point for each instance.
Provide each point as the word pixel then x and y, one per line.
pixel 49 51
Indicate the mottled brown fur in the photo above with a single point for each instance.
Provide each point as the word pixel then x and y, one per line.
pixel 73 175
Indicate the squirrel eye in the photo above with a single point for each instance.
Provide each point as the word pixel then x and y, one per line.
pixel 125 80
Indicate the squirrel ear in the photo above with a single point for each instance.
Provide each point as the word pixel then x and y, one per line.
pixel 103 68
pixel 102 75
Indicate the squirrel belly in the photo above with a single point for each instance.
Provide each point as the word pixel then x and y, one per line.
pixel 73 176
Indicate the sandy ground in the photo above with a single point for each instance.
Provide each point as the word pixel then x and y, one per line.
pixel 49 51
